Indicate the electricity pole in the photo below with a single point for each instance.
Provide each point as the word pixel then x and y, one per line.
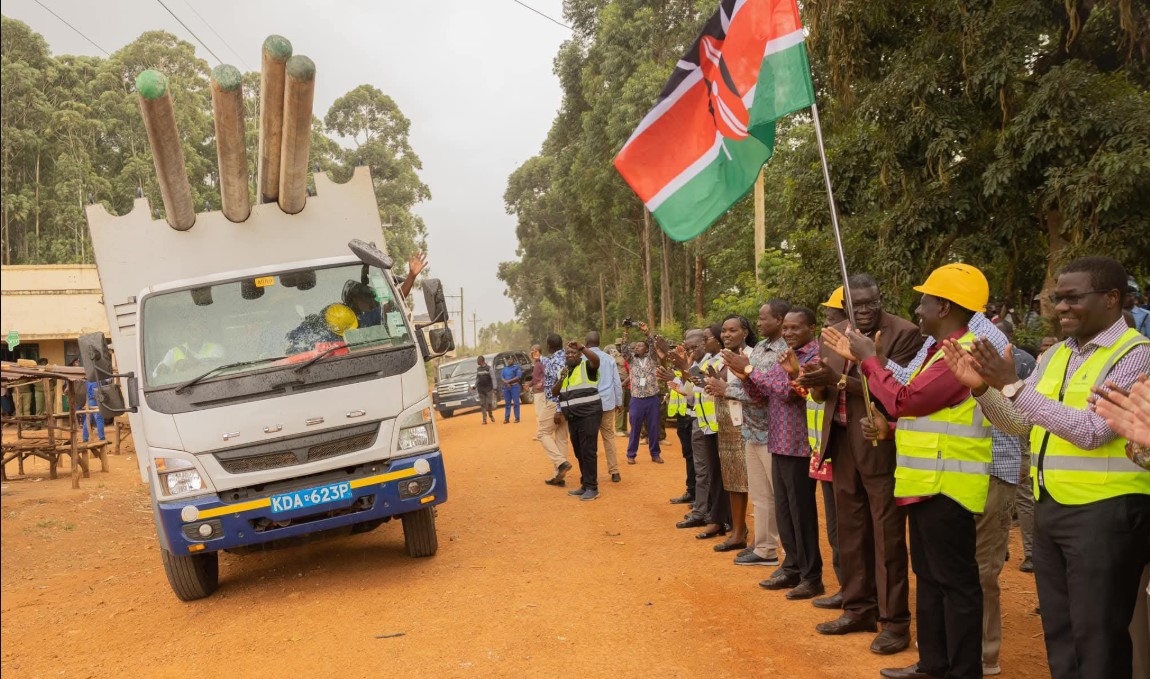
pixel 474 331
pixel 462 320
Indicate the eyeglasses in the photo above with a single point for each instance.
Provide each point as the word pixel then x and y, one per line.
pixel 873 305
pixel 1074 299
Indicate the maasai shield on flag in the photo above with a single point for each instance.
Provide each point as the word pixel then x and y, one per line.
pixel 699 150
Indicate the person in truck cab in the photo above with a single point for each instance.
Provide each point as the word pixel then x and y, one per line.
pixel 362 298
pixel 195 350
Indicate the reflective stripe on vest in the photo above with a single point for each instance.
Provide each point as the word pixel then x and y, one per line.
pixel 814 424
pixel 579 394
pixel 676 402
pixel 946 452
pixel 1071 475
pixel 705 403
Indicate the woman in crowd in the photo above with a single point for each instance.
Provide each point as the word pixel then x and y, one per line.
pixel 737 335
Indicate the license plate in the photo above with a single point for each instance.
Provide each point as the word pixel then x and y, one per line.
pixel 452 404
pixel 311 497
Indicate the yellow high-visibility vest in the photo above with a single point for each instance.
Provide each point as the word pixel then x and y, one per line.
pixel 676 402
pixel 705 403
pixel 946 452
pixel 1071 475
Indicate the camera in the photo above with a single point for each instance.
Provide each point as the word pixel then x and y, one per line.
pixel 628 323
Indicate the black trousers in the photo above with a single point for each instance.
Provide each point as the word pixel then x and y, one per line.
pixel 683 428
pixel 797 513
pixel 832 515
pixel 949 610
pixel 584 433
pixel 1088 561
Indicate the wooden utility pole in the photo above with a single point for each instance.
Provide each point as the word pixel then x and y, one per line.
pixel 462 321
pixel 602 306
pixel 474 331
pixel 647 268
pixel 760 223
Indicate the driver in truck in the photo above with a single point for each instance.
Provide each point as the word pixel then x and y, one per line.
pixel 362 297
pixel 196 349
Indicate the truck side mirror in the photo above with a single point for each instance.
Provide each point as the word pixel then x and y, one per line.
pixel 369 254
pixel 433 298
pixel 95 356
pixel 441 340
pixel 110 400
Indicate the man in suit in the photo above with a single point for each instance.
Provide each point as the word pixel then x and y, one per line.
pixel 871 527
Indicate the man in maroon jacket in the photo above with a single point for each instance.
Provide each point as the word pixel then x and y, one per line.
pixel 872 528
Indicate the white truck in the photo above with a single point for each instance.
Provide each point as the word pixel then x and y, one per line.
pixel 276 382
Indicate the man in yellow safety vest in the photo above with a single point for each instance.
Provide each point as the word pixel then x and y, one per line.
pixel 1092 509
pixel 942 474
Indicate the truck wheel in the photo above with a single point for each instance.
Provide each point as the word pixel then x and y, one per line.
pixel 419 532
pixel 447 413
pixel 192 577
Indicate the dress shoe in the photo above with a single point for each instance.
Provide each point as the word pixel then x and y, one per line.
pixel 845 624
pixel 730 546
pixel 707 535
pixel 561 470
pixel 556 482
pixel 691 523
pixel 780 581
pixel 616 478
pixel 889 642
pixel 747 557
pixel 657 460
pixel 834 601
pixel 630 460
pixel 684 499
pixel 910 672
pixel 1027 566
pixel 807 590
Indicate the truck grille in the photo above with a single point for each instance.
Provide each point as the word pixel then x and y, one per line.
pixel 322 447
pixel 453 389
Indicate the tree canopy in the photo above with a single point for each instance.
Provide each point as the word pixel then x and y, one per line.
pixel 1012 135
pixel 72 134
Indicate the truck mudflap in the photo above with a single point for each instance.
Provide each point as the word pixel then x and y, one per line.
pixel 207 524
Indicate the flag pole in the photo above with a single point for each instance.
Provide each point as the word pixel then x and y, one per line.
pixel 848 302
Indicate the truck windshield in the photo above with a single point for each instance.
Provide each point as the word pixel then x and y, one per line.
pixel 281 320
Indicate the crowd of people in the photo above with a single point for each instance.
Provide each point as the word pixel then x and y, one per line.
pixel 923 441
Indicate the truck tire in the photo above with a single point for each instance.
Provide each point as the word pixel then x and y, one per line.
pixel 419 532
pixel 192 577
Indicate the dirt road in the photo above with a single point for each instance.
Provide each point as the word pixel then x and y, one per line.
pixel 527 583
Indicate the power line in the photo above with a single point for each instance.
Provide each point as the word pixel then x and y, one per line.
pixel 202 44
pixel 78 32
pixel 213 30
pixel 552 20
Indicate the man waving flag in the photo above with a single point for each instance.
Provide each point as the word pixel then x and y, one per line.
pixel 700 148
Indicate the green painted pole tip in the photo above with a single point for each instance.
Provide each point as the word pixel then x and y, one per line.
pixel 151 84
pixel 277 47
pixel 228 77
pixel 301 67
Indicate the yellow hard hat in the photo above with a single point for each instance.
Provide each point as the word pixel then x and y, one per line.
pixel 835 301
pixel 962 284
pixel 340 318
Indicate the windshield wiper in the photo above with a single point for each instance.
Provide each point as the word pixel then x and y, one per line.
pixel 329 351
pixel 239 364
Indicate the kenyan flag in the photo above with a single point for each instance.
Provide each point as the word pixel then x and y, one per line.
pixel 699 150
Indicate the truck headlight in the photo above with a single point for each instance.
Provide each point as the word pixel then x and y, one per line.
pixel 177 476
pixel 415 430
pixel 414 437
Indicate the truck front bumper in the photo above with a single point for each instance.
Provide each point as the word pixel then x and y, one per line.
pixel 380 491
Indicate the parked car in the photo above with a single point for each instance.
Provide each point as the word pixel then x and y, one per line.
pixel 504 358
pixel 455 385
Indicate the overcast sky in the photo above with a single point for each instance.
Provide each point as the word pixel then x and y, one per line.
pixel 473 76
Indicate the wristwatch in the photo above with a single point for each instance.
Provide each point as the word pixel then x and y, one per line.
pixel 749 369
pixel 1011 390
pixel 842 382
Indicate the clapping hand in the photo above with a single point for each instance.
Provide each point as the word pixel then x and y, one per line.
pixel 853 345
pixel 664 374
pixel 1126 412
pixel 790 363
pixel 679 359
pixel 716 387
pixel 662 348
pixel 815 375
pixel 736 362
pixel 994 368
pixel 962 365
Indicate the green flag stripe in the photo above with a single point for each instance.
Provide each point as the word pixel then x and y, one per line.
pixel 714 188
pixel 784 87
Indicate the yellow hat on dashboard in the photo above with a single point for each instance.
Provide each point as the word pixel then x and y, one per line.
pixel 962 284
pixel 835 301
pixel 340 318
